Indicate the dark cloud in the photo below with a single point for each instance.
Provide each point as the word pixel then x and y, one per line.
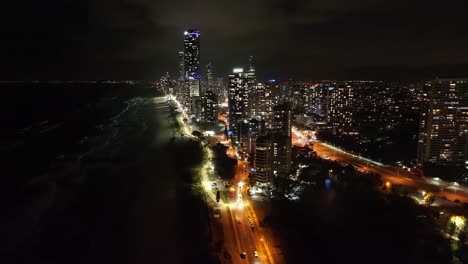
pixel 139 39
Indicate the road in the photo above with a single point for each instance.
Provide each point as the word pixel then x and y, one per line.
pixel 251 240
pixel 238 235
pixel 391 174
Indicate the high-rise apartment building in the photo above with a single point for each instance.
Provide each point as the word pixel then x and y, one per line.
pixel 251 83
pixel 261 102
pixel 181 78
pixel 208 80
pixel 181 66
pixel 341 112
pixel 238 98
pixel 281 131
pixel 209 107
pixel 248 130
pixel 313 99
pixel 192 74
pixel 443 135
pixel 192 54
pixel 263 161
pixel 193 86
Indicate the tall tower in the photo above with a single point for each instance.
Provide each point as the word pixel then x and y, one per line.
pixel 192 53
pixel 238 98
pixel 341 112
pixel 208 83
pixel 251 64
pixel 192 71
pixel 281 131
pixel 181 80
pixel 263 160
pixel 181 66
pixel 251 83
pixel 209 107
pixel 443 137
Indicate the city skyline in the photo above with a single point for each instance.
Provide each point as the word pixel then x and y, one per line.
pixel 321 40
pixel 263 132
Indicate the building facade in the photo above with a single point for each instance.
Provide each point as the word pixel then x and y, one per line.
pixel 248 130
pixel 238 99
pixel 341 111
pixel 281 132
pixel 192 54
pixel 263 161
pixel 209 107
pixel 192 73
pixel 443 127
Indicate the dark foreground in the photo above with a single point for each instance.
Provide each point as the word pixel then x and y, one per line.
pixel 123 198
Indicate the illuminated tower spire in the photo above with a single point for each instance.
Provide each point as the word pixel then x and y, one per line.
pixel 192 53
pixel 251 64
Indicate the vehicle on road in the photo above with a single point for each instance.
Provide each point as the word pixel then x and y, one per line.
pixel 243 255
pixel 255 254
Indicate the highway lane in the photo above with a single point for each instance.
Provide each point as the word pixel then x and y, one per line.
pixel 391 174
pixel 249 241
pixel 238 237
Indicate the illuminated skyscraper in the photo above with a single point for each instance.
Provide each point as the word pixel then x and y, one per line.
pixel 341 112
pixel 313 99
pixel 181 66
pixel 209 107
pixel 192 54
pixel 251 64
pixel 251 83
pixel 181 81
pixel 192 75
pixel 238 98
pixel 260 107
pixel 208 82
pixel 281 132
pixel 248 130
pixel 443 136
pixel 194 96
pixel 262 104
pixel 263 161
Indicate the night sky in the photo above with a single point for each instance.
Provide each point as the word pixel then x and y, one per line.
pixel 139 39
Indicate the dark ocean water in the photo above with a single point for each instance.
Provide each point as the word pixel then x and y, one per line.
pixel 44 123
pixel 54 139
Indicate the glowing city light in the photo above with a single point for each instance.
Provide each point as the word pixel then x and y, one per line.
pixel 459 221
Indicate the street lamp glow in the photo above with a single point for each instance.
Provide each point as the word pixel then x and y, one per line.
pixel 459 221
